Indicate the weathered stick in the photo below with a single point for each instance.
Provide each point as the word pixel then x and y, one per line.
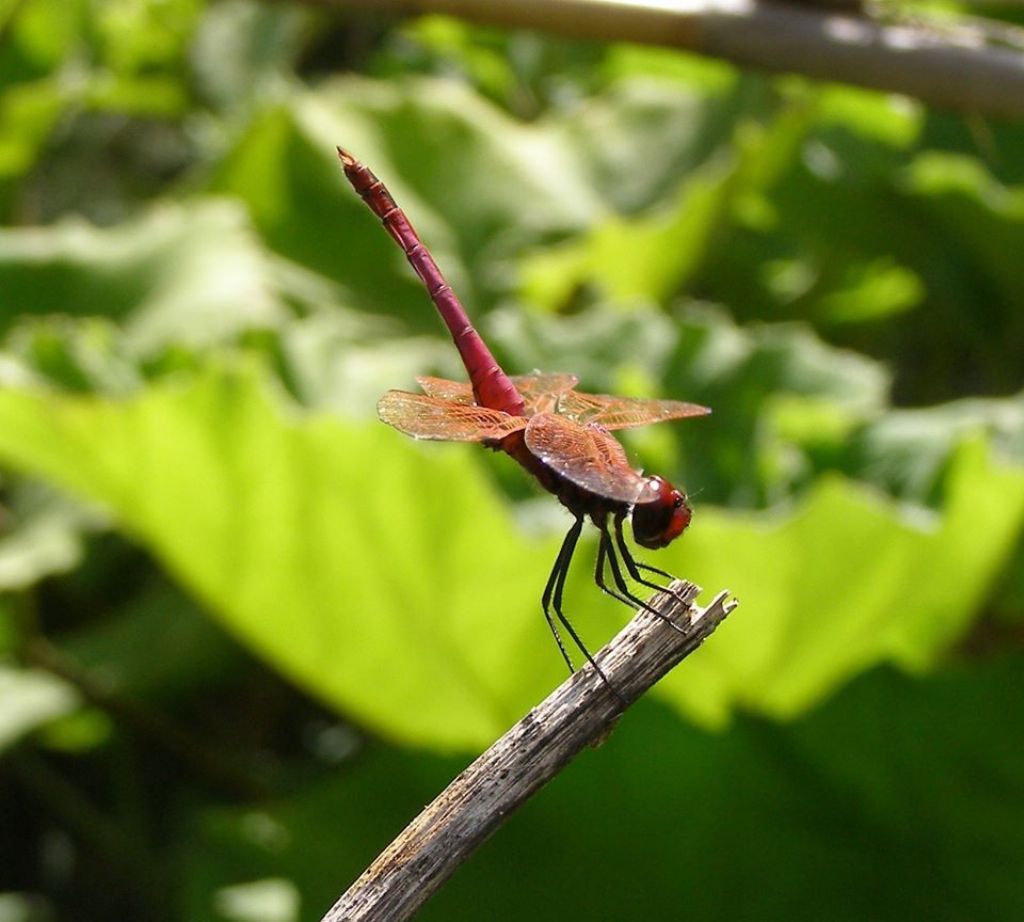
pixel 579 713
pixel 951 68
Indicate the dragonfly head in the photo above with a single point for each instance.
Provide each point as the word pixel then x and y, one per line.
pixel 664 518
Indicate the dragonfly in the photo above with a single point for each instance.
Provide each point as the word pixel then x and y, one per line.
pixel 561 436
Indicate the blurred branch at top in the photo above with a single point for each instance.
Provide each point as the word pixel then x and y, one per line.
pixel 974 66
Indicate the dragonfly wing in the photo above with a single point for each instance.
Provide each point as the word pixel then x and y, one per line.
pixel 538 382
pixel 456 391
pixel 623 412
pixel 426 417
pixel 588 456
pixel 539 391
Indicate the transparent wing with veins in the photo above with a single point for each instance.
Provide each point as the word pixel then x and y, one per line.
pixel 623 412
pixel 426 417
pixel 553 393
pixel 539 391
pixel 588 456
pixel 565 429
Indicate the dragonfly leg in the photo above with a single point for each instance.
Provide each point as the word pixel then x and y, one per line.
pixel 606 549
pixel 552 602
pixel 605 552
pixel 634 566
pixel 554 587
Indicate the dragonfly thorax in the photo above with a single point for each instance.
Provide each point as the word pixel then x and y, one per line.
pixel 663 519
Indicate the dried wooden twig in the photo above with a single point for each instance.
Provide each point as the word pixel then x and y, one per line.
pixel 579 713
pixel 950 68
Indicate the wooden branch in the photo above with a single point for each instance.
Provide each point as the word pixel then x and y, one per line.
pixel 946 67
pixel 580 713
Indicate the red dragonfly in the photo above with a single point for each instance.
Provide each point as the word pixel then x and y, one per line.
pixel 561 436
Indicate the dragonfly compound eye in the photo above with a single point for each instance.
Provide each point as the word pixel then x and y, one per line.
pixel 663 519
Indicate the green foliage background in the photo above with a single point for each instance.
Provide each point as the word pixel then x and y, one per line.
pixel 246 631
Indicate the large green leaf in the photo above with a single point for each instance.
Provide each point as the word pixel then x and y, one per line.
pixel 316 540
pixel 387 577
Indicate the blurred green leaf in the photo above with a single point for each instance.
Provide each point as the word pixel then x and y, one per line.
pixel 134 35
pixel 744 454
pixel 31 698
pixel 269 900
pixel 44 540
pixel 690 72
pixel 28 112
pixel 482 54
pixel 244 51
pixel 42 32
pixel 180 274
pixel 871 290
pixel 886 118
pixel 649 257
pixel 851 232
pixel 653 256
pixel 985 218
pixel 467 191
pixel 145 96
pixel 24 907
pixel 118 650
pixel 849 579
pixel 907 452
pixel 317 542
